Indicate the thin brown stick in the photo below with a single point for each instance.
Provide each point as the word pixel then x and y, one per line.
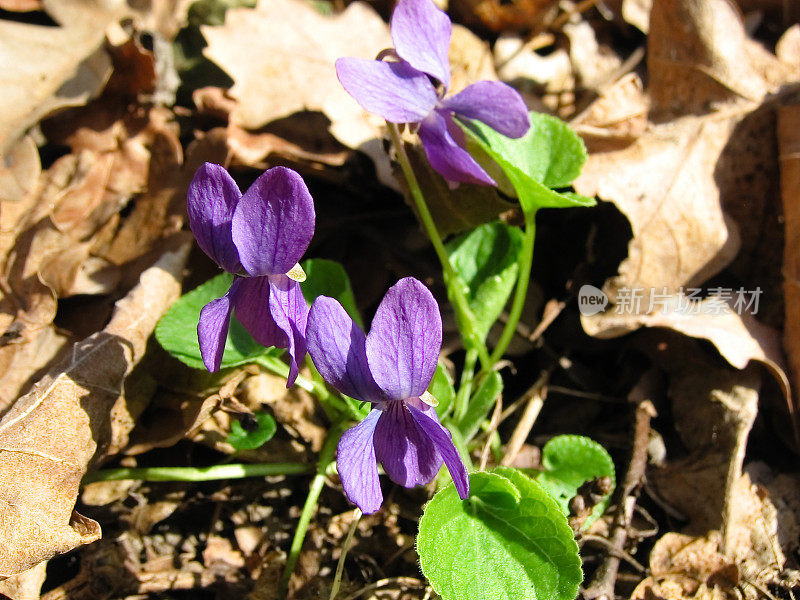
pixel 536 396
pixel 605 577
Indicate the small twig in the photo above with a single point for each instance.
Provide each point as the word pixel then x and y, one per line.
pixel 409 582
pixel 337 579
pixel 589 537
pixel 605 577
pixel 535 397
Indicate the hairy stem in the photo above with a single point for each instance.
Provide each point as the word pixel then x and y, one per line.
pixel 465 386
pixel 455 286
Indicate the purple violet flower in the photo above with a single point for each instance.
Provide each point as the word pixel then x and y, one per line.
pixel 258 236
pixel 412 90
pixel 391 368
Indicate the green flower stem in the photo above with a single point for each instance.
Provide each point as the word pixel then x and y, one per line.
pixel 317 484
pixel 465 386
pixel 229 471
pixel 520 292
pixel 455 286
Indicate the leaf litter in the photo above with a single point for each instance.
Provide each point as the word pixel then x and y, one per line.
pixel 97 158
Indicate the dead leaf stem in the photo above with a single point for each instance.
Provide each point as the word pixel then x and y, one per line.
pixel 605 578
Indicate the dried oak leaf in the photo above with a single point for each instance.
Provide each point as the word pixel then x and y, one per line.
pixel 49 68
pixel 69 421
pixel 739 338
pixel 281 57
pixel 664 184
pixel 672 183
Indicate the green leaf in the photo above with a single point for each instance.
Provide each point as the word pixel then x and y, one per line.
pixel 550 155
pixel 441 388
pixel 569 461
pixel 241 439
pixel 177 330
pixel 508 541
pixel 486 261
pixel 479 405
pixel 328 278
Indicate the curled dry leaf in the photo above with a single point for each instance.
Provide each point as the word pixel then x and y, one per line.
pixel 71 419
pixel 740 338
pixel 664 184
pixel 49 68
pixel 673 182
pixel 58 229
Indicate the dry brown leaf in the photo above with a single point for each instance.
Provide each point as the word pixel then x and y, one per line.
pixel 55 231
pixel 788 47
pixel 789 148
pixel 592 62
pixel 617 118
pixel 675 180
pixel 281 57
pixel 69 421
pixel 49 68
pixel 682 567
pixel 637 13
pixel 739 338
pixel 664 184
pixel 21 5
pixel 501 15
pixel 25 586
pixel 713 410
pixel 699 55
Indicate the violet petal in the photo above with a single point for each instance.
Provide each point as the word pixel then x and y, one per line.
pixel 251 307
pixel 273 222
pixel 337 346
pixel 212 198
pixel 357 467
pixel 404 341
pixel 421 35
pixel 394 90
pixel 290 312
pixel 408 454
pixel 429 423
pixel 446 156
pixel 212 328
pixel 495 103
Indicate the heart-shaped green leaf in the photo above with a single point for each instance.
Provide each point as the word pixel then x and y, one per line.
pixel 508 541
pixel 328 278
pixel 549 155
pixel 569 461
pixel 177 330
pixel 242 439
